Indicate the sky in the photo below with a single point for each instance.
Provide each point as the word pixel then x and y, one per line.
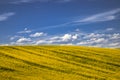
pixel 64 22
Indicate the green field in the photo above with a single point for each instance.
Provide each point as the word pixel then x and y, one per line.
pixel 59 63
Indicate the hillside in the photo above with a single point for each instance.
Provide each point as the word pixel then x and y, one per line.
pixel 59 63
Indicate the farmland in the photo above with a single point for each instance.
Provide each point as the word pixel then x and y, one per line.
pixel 59 63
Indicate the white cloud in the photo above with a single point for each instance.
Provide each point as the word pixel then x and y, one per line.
pixel 106 16
pixel 38 34
pixel 72 38
pixel 75 36
pixel 114 45
pixel 101 40
pixel 24 31
pixel 69 44
pixel 23 40
pixel 58 39
pixel 15 37
pixel 55 38
pixel 5 16
pixel 115 36
pixel 92 41
pixel 82 43
pixel 69 37
pixel 42 42
pixel 93 35
pixel 66 37
pixel 100 17
pixel 98 40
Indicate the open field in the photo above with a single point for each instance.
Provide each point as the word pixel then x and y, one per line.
pixel 59 63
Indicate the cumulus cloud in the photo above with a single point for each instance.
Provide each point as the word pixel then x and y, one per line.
pixel 5 16
pixel 93 41
pixel 23 40
pixel 72 38
pixel 93 35
pixel 66 37
pixel 57 39
pixel 38 34
pixel 26 30
pixel 115 36
pixel 100 40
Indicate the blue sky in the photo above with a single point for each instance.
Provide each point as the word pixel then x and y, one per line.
pixel 64 22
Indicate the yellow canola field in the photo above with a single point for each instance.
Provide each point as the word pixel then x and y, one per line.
pixel 59 63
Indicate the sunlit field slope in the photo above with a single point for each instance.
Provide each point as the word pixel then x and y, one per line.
pixel 59 63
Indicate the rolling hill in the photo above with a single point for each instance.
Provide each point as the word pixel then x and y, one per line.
pixel 59 63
